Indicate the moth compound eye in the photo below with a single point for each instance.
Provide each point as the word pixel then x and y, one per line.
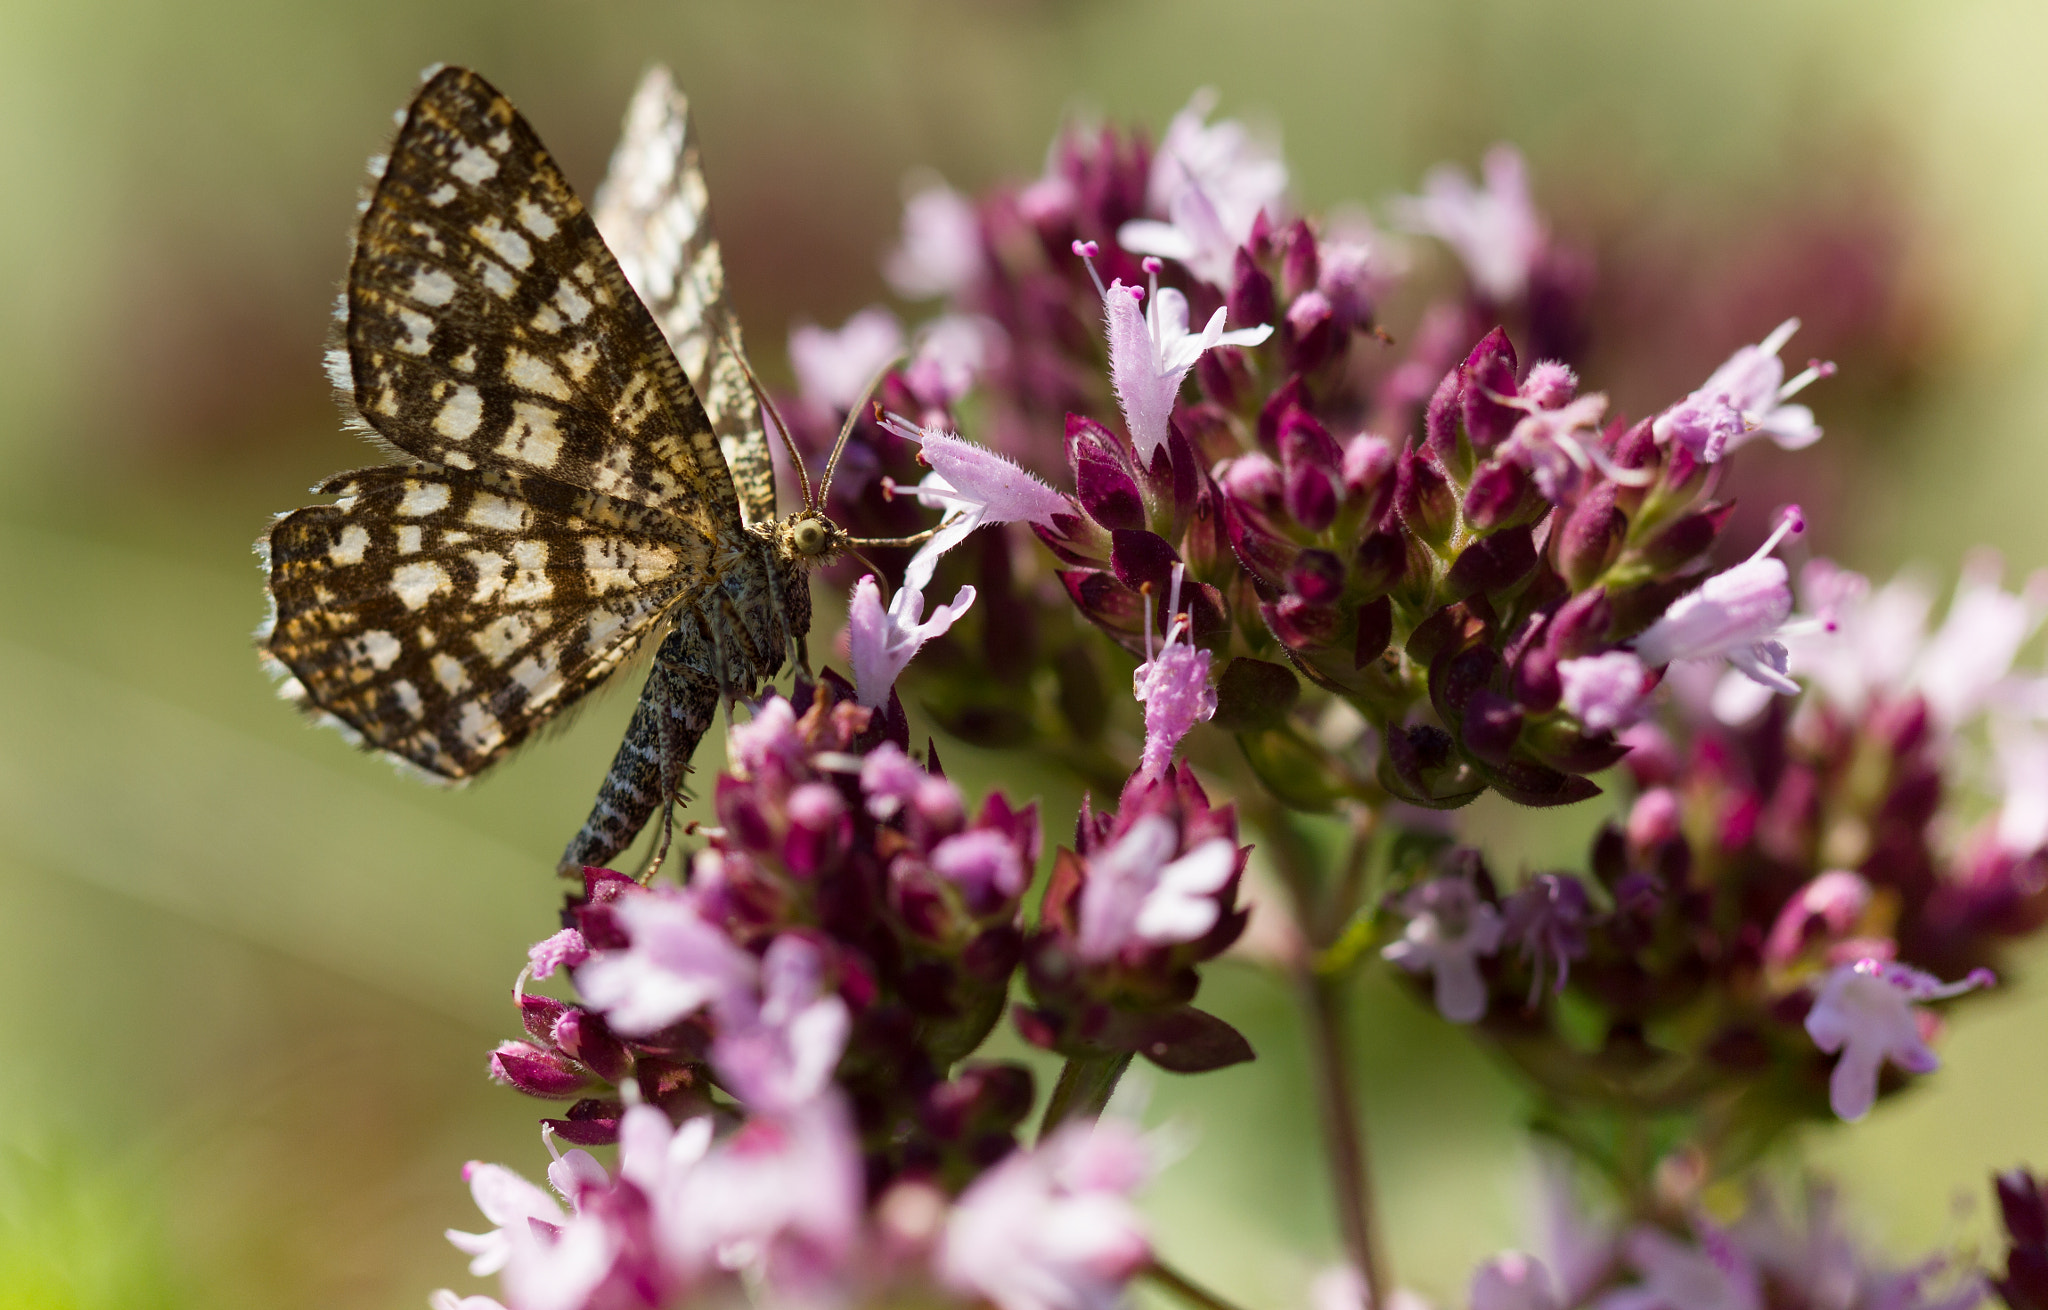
pixel 810 537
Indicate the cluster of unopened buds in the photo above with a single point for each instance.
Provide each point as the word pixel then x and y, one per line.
pixel 1359 579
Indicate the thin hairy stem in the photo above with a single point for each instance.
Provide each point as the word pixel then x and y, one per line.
pixel 1187 1289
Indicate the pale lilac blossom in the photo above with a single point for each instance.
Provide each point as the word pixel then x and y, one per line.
pixel 780 1054
pixel 1866 1010
pixel 1744 398
pixel 951 354
pixel 982 862
pixel 1150 355
pixel 975 486
pixel 2022 755
pixel 1211 182
pixel 1715 1275
pixel 1052 1227
pixel 513 1205
pixel 1449 929
pixel 882 642
pixel 1494 230
pixel 1513 1280
pixel 1604 692
pixel 1172 684
pixel 834 368
pixel 565 950
pixel 1735 615
pixel 1138 895
pixel 443 1299
pixel 940 253
pixel 1834 901
pixel 676 963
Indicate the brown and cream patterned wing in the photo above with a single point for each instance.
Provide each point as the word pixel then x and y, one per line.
pixel 488 327
pixel 444 615
pixel 655 213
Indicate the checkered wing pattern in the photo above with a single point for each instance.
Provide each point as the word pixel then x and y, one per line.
pixel 443 616
pixel 489 327
pixel 655 212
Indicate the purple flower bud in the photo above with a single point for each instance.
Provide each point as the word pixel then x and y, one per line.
pixel 1309 461
pixel 1492 564
pixel 537 1071
pixel 1255 481
pixel 818 829
pixel 1300 268
pixel 1251 292
pixel 1317 577
pixel 1828 906
pixel 1580 625
pixel 984 865
pixel 1604 692
pixel 1379 562
pixel 585 1038
pixel 1300 625
pixel 1501 493
pixel 1311 332
pixel 1424 497
pixel 538 1015
pixel 1368 467
pixel 1550 385
pixel 1591 537
pixel 1143 558
pixel 1109 493
pixel 1685 538
pixel 1491 725
pixel 1653 819
pixel 1536 682
pixel 1489 377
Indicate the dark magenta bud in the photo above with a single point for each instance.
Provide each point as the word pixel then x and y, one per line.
pixel 1375 631
pixel 1426 502
pixel 1491 724
pixel 1440 421
pixel 1223 375
pixel 586 1038
pixel 1501 493
pixel 1277 407
pixel 1492 564
pixel 1580 625
pixel 1590 537
pixel 1300 625
pixel 1369 477
pixel 1300 267
pixel 1255 481
pixel 1109 493
pixel 539 1014
pixel 1140 558
pixel 1317 577
pixel 1489 378
pixel 1379 562
pixel 1311 496
pixel 537 1072
pixel 590 1122
pixel 1251 293
pixel 1685 538
pixel 1537 684
pixel 1311 332
pixel 1455 678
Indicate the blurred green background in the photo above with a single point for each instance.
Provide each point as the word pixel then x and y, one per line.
pixel 252 976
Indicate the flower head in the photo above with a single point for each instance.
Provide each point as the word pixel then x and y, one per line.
pixel 1494 229
pixel 1866 1011
pixel 882 642
pixel 1138 895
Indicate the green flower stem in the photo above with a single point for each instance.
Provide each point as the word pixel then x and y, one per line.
pixel 1184 1287
pixel 1085 1084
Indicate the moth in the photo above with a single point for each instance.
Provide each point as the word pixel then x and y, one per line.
pixel 583 464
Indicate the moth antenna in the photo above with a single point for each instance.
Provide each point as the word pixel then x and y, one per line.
pixel 846 430
pixel 915 539
pixel 788 442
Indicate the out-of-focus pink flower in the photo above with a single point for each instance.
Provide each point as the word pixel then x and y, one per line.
pixel 780 1054
pixel 940 253
pixel 1052 1228
pixel 1717 1275
pixel 951 354
pixel 833 368
pixel 1211 182
pixel 1832 902
pixel 1513 1281
pixel 1604 692
pixel 675 964
pixel 1866 1011
pixel 882 642
pixel 984 863
pixel 1151 353
pixel 1449 929
pixel 1495 230
pixel 1745 397
pixel 2023 775
pixel 564 950
pixel 975 486
pixel 443 1299
pixel 1138 895
pixel 513 1205
pixel 1735 615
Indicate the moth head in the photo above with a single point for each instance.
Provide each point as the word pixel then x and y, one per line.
pixel 812 538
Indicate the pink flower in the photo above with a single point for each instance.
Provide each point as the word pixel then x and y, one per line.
pixel 976 486
pixel 1744 397
pixel 984 863
pixel 952 352
pixel 2022 826
pixel 443 1299
pixel 1866 1011
pixel 1716 1275
pixel 564 950
pixel 833 369
pixel 940 254
pixel 1604 692
pixel 1052 1228
pixel 882 642
pixel 675 964
pixel 1733 616
pixel 1150 355
pixel 1833 902
pixel 1513 1281
pixel 1136 894
pixel 1449 929
pixel 1211 182
pixel 1173 685
pixel 511 1203
pixel 1495 231
pixel 780 1054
